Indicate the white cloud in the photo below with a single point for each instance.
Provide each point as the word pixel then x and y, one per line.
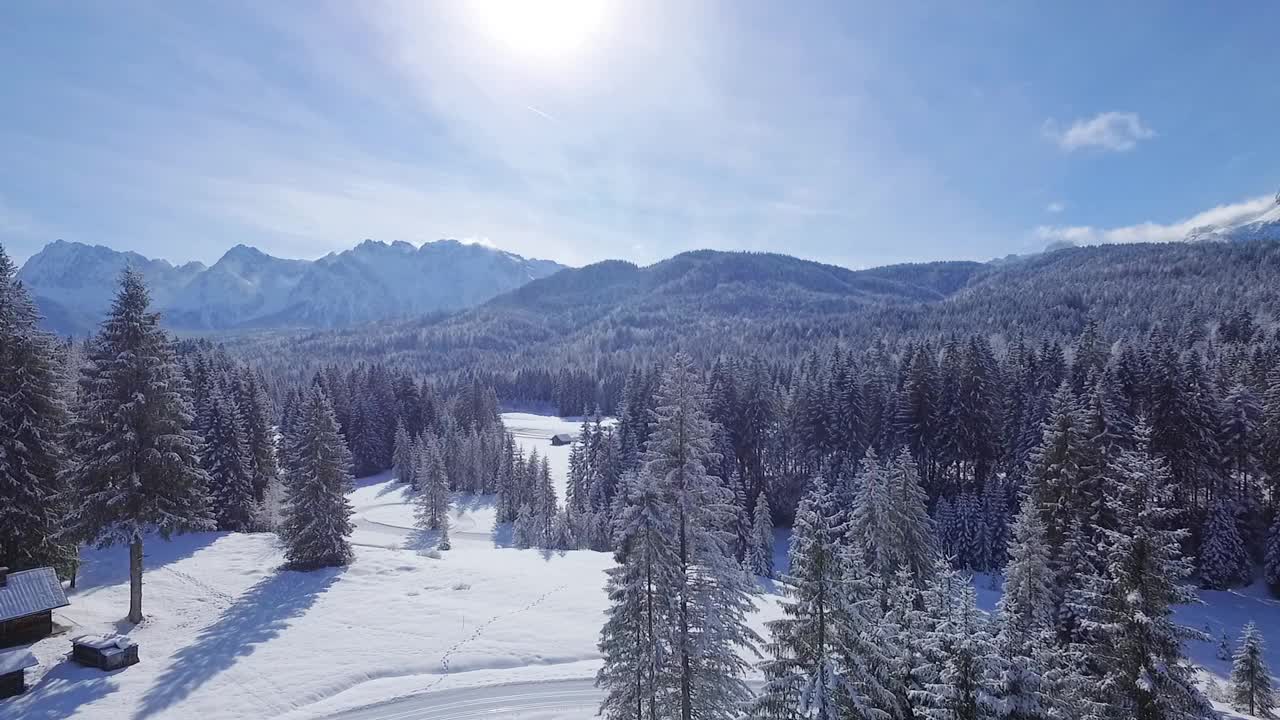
pixel 1055 207
pixel 1116 131
pixel 1149 231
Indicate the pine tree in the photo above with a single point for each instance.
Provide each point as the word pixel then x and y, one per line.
pixel 404 461
pixel 317 517
pixel 32 418
pixel 965 662
pixel 712 594
pixel 136 469
pixel 433 498
pixel 1135 648
pixel 1224 562
pixel 1272 560
pixel 260 437
pixel 524 531
pixel 1026 624
pixel 225 458
pixel 761 556
pixel 824 662
pixel 1251 689
pixel 637 675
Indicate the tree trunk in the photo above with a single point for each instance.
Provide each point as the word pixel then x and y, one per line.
pixel 135 581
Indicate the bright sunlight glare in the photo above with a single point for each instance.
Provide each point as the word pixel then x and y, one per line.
pixel 545 29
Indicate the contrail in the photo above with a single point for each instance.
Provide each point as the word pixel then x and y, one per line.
pixel 533 109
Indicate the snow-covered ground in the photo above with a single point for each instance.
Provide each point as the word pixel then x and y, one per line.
pixel 230 635
pixel 480 631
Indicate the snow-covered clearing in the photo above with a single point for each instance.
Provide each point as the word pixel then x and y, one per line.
pixel 480 631
pixel 229 635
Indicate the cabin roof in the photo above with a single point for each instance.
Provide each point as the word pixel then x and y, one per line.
pixel 562 437
pixel 12 661
pixel 28 592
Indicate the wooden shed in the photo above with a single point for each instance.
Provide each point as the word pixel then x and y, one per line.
pixel 107 652
pixel 13 667
pixel 562 439
pixel 27 602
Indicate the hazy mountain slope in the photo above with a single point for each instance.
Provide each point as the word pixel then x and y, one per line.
pixel 613 314
pixel 247 288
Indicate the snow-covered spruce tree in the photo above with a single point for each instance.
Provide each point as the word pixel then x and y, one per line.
pixel 260 440
pixel 1134 646
pixel 1251 689
pixel 761 550
pixel 433 496
pixel 964 684
pixel 712 592
pixel 1269 436
pixel 225 458
pixel 1224 562
pixel 317 470
pixel 32 419
pixel 404 461
pixel 562 534
pixel 1271 564
pixel 544 506
pixel 136 470
pixel 524 531
pixel 825 662
pixel 637 676
pixel 1025 623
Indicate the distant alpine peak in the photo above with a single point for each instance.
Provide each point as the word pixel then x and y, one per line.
pixel 1264 225
pixel 248 288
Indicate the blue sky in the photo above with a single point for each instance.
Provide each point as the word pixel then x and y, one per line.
pixel 847 132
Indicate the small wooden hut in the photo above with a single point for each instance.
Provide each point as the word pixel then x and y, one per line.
pixel 27 601
pixel 561 439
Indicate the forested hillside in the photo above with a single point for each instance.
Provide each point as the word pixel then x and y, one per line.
pixel 591 325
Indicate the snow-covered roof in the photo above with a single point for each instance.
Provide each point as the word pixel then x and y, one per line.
pixel 15 660
pixel 30 591
pixel 105 644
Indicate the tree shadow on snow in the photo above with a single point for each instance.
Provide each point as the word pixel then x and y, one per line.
pixel 110 565
pixel 502 535
pixel 255 618
pixel 61 693
pixel 422 540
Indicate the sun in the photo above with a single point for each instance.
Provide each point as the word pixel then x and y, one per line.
pixel 539 29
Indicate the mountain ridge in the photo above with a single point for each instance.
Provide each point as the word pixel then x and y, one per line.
pixel 73 284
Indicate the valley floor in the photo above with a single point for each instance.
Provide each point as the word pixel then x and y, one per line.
pixel 483 630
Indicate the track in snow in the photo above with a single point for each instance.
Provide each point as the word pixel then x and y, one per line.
pixel 548 700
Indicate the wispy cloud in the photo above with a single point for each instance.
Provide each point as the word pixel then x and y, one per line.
pixel 1114 131
pixel 1055 207
pixel 1149 231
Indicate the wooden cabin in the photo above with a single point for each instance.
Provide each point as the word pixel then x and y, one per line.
pixel 561 439
pixel 13 671
pixel 27 601
pixel 106 652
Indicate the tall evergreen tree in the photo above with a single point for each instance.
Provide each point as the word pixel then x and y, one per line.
pixel 260 437
pixel 1224 562
pixel 1025 637
pixel 1251 689
pixel 433 496
pixel 32 418
pixel 136 469
pixel 637 675
pixel 825 663
pixel 761 550
pixel 404 461
pixel 1135 648
pixel 225 458
pixel 317 517
pixel 964 668
pixel 712 593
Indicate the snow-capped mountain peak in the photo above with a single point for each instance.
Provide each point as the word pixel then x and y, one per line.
pixel 74 283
